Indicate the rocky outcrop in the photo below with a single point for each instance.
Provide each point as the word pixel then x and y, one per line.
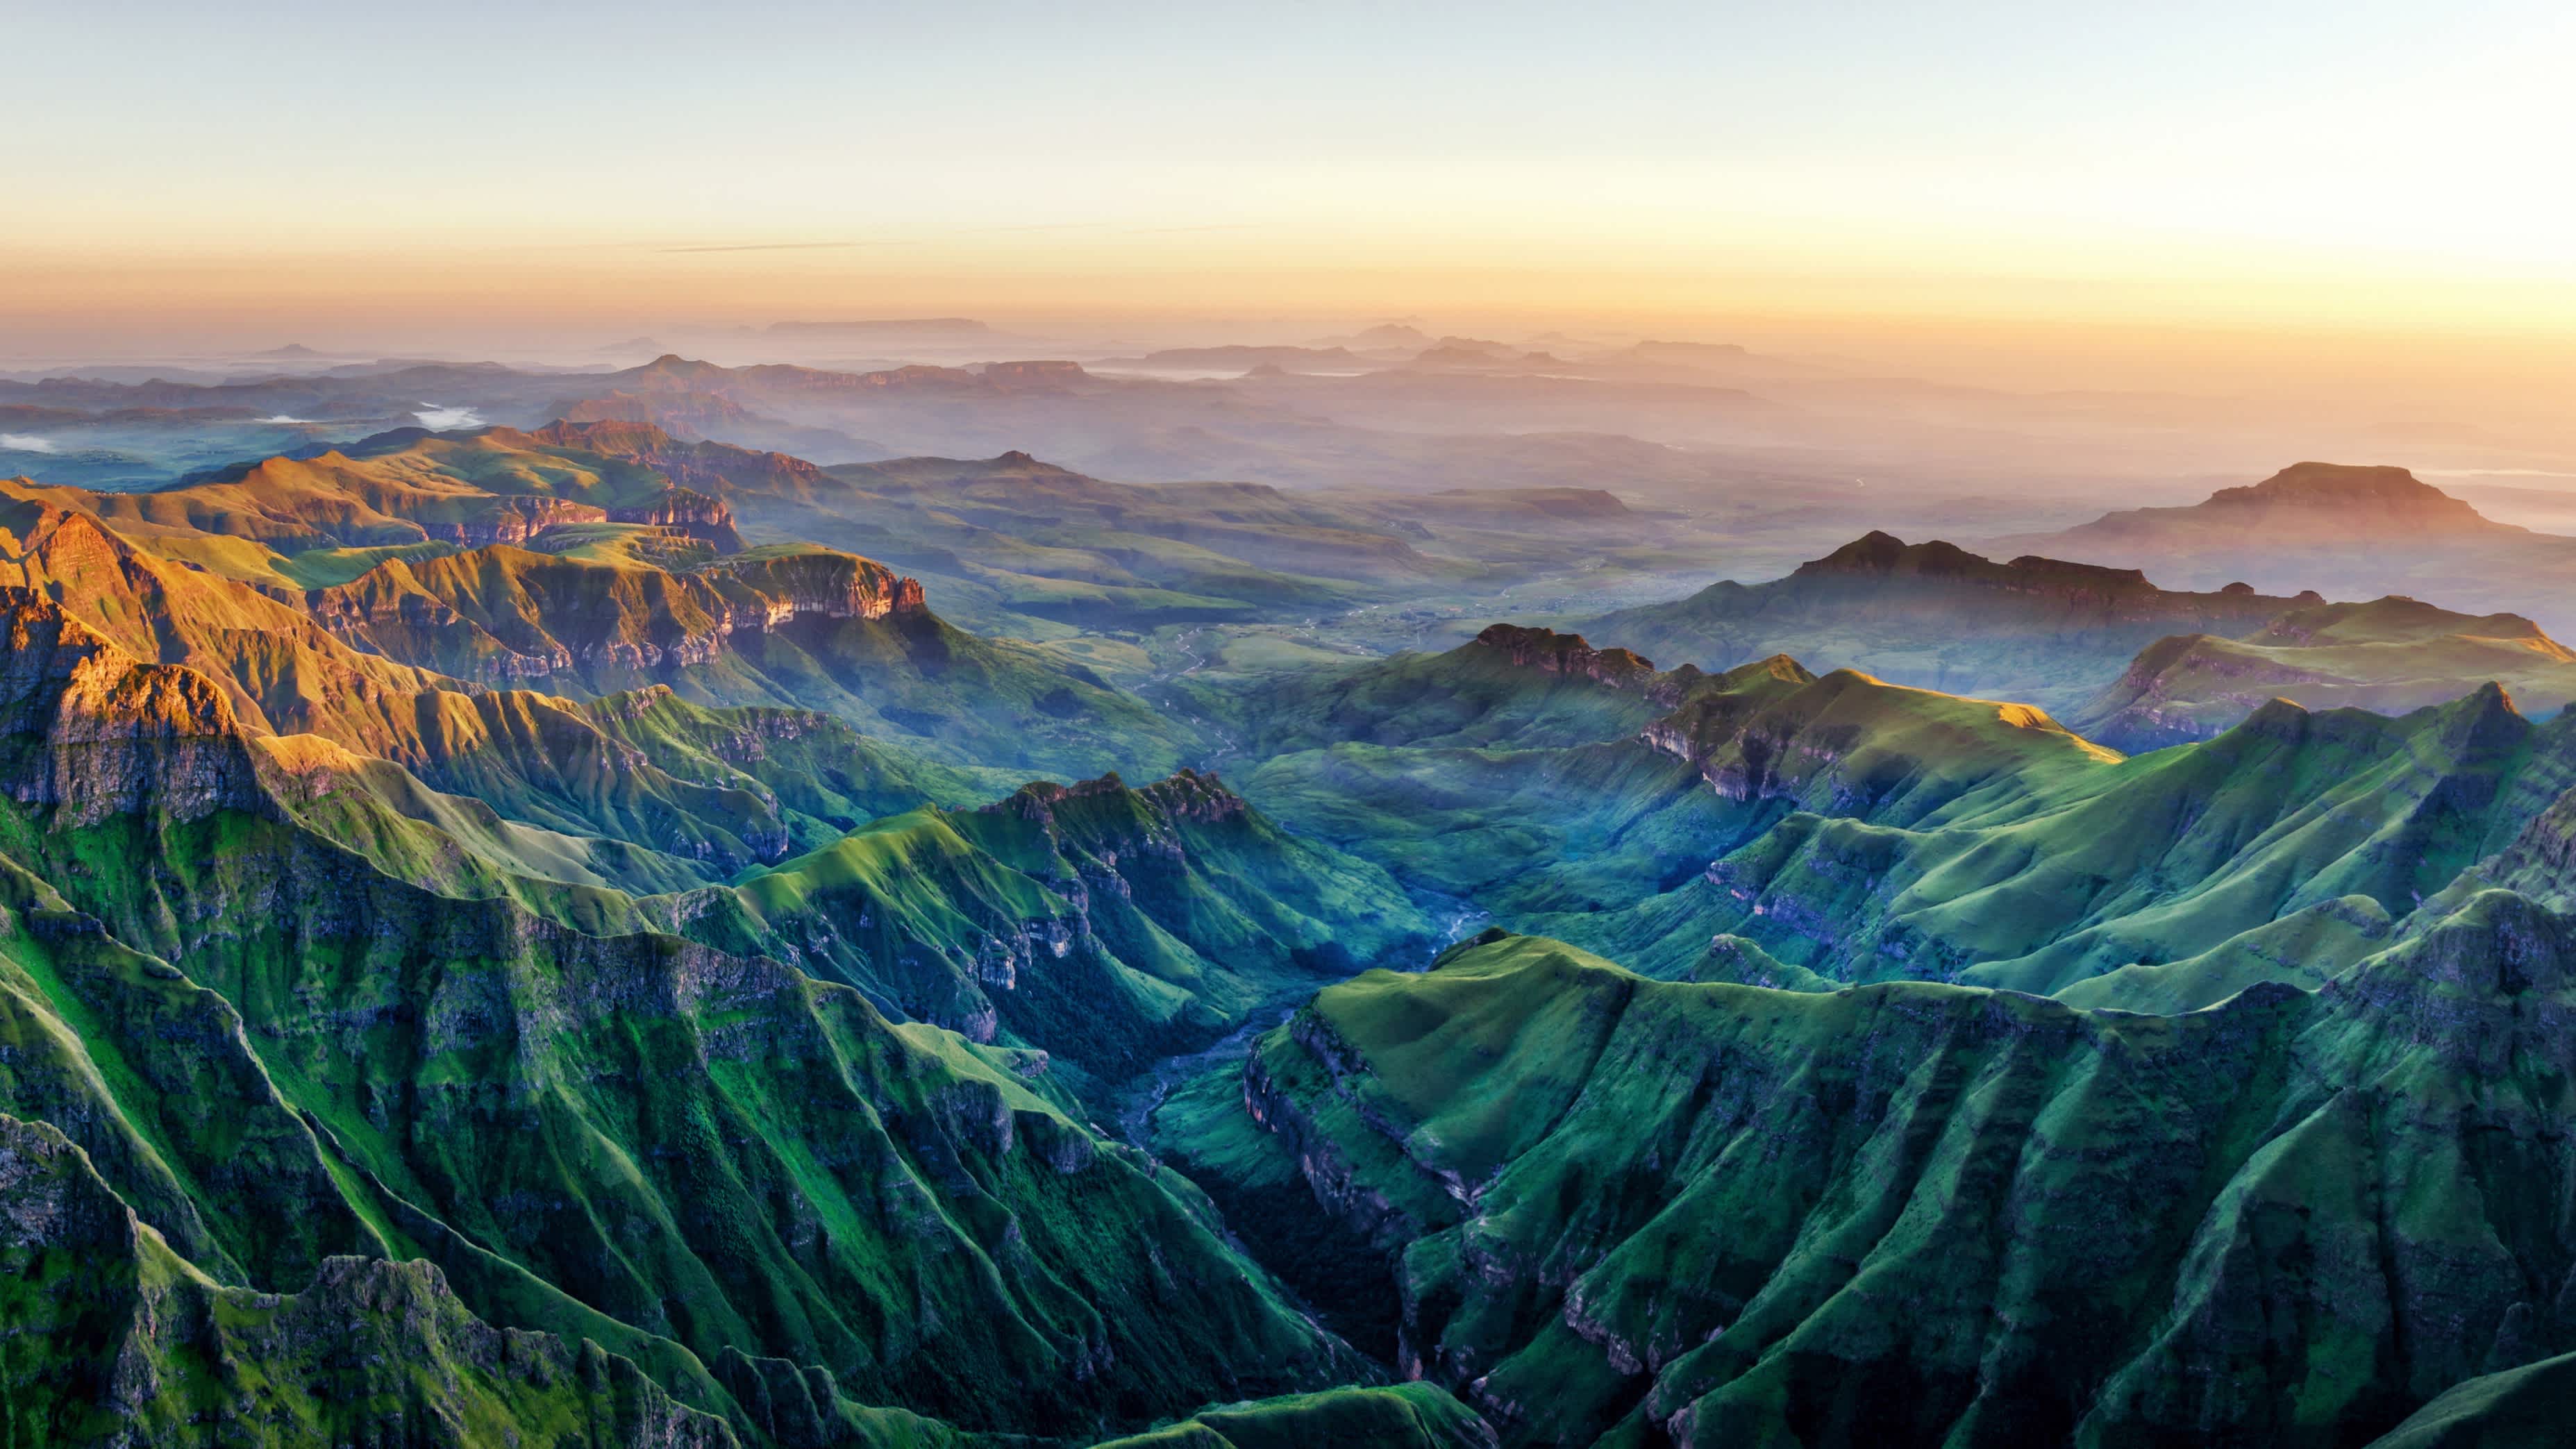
pixel 1549 652
pixel 689 514
pixel 113 736
pixel 513 521
pixel 505 616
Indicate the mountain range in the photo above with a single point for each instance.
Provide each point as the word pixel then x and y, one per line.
pixel 546 933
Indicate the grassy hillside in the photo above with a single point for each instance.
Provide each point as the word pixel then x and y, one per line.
pixel 2390 655
pixel 733 1174
pixel 1620 1209
pixel 1609 841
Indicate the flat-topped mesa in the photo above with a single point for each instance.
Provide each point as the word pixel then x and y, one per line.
pixel 1553 653
pixel 2304 506
pixel 2387 494
pixel 1044 372
pixel 686 513
pixel 815 583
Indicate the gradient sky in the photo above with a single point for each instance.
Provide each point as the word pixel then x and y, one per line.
pixel 2398 169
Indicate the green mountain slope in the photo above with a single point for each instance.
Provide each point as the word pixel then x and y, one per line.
pixel 1931 614
pixel 1108 925
pixel 2390 655
pixel 1509 686
pixel 1406 1416
pixel 2342 819
pixel 1609 842
pixel 1852 830
pixel 133 1341
pixel 720 1168
pixel 1621 1209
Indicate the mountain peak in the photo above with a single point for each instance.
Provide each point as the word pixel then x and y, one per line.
pixel 1882 553
pixel 671 369
pixel 2390 491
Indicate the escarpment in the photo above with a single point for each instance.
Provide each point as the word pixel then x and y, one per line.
pixel 505 615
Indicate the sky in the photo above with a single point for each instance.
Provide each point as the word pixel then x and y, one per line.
pixel 1854 168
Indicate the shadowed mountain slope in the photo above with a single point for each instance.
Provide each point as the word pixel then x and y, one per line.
pixel 1847 829
pixel 1937 616
pixel 2390 656
pixel 1617 1210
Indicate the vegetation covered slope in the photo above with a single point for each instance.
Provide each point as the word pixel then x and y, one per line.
pixel 2283 849
pixel 1931 614
pixel 1404 1416
pixel 567 560
pixel 1846 829
pixel 1610 840
pixel 122 1340
pixel 732 1173
pixel 1617 1209
pixel 2390 655
pixel 1110 926
pixel 1507 686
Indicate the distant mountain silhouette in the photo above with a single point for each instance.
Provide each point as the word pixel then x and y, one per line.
pixel 2352 531
pixel 2303 505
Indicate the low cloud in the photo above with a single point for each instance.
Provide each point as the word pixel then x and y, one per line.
pixel 26 443
pixel 282 418
pixel 439 418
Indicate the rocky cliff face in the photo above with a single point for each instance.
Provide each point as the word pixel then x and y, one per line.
pixel 688 513
pixel 1569 654
pixel 512 521
pixel 509 616
pixel 1848 744
pixel 101 734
